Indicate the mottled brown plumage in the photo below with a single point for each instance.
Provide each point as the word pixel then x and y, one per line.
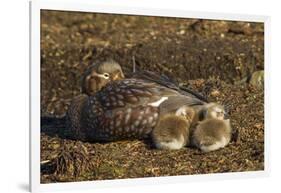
pixel 74 118
pixel 123 109
pixel 117 108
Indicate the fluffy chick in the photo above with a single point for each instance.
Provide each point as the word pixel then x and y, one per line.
pixel 214 132
pixel 172 130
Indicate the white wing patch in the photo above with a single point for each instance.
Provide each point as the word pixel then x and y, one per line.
pixel 157 103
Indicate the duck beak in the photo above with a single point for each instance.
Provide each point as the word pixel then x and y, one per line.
pixel 118 75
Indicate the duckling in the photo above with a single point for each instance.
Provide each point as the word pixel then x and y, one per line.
pixel 172 130
pixel 214 132
pixel 207 110
pixel 213 110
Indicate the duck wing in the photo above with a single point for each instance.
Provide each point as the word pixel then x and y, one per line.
pixel 154 77
pixel 132 92
pixel 173 103
pixel 167 82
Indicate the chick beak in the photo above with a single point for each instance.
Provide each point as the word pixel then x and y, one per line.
pixel 226 115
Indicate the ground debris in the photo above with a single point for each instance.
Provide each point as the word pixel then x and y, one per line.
pixel 206 56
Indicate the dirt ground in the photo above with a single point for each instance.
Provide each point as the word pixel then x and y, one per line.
pixel 214 58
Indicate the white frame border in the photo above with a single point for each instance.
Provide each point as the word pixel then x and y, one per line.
pixel 34 145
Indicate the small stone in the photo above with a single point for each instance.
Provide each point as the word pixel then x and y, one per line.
pixel 182 32
pixel 257 79
pixel 215 93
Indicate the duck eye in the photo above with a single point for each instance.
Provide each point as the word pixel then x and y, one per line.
pixel 106 75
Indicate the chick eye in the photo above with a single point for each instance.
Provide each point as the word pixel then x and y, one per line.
pixel 106 75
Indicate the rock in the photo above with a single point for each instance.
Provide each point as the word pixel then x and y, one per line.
pixel 257 79
pixel 215 93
